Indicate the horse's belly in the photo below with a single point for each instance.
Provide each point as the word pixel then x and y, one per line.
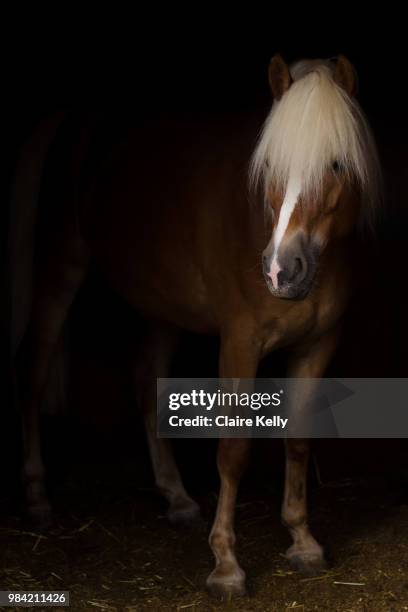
pixel 174 294
pixel 194 320
pixel 186 307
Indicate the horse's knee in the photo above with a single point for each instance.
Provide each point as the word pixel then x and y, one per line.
pixel 297 449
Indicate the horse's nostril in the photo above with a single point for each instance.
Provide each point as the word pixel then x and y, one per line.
pixel 297 269
pixel 292 273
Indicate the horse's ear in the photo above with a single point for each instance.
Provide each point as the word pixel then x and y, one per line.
pixel 345 75
pixel 279 76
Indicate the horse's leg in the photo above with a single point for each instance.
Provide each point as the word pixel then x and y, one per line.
pixel 51 302
pixel 157 358
pixel 305 555
pixel 238 359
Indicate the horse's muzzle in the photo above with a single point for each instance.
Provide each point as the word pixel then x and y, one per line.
pixel 291 274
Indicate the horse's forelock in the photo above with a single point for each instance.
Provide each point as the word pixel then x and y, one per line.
pixel 314 124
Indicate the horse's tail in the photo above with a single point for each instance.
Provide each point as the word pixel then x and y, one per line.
pixel 24 196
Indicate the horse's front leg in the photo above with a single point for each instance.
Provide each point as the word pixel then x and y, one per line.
pixel 305 555
pixel 238 359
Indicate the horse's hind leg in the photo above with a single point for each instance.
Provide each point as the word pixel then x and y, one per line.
pixel 159 350
pixel 52 298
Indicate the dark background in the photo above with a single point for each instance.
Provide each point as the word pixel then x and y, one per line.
pixel 196 65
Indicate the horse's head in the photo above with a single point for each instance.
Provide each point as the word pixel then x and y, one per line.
pixel 317 162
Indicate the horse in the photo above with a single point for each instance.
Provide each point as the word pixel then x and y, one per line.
pixel 239 227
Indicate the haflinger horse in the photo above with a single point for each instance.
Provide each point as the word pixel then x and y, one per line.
pixel 215 227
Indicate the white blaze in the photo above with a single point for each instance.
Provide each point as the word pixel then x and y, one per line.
pixel 288 206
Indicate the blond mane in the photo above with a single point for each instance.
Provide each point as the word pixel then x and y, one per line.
pixel 314 125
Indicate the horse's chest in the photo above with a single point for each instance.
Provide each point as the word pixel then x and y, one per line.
pixel 289 326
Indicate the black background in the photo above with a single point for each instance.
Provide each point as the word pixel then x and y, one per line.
pixel 201 63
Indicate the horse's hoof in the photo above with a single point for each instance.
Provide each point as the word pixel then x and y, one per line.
pixel 226 587
pixel 39 517
pixel 307 564
pixel 185 516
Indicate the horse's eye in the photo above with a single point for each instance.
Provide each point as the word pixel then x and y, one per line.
pixel 336 167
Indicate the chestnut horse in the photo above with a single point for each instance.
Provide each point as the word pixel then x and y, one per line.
pixel 203 227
